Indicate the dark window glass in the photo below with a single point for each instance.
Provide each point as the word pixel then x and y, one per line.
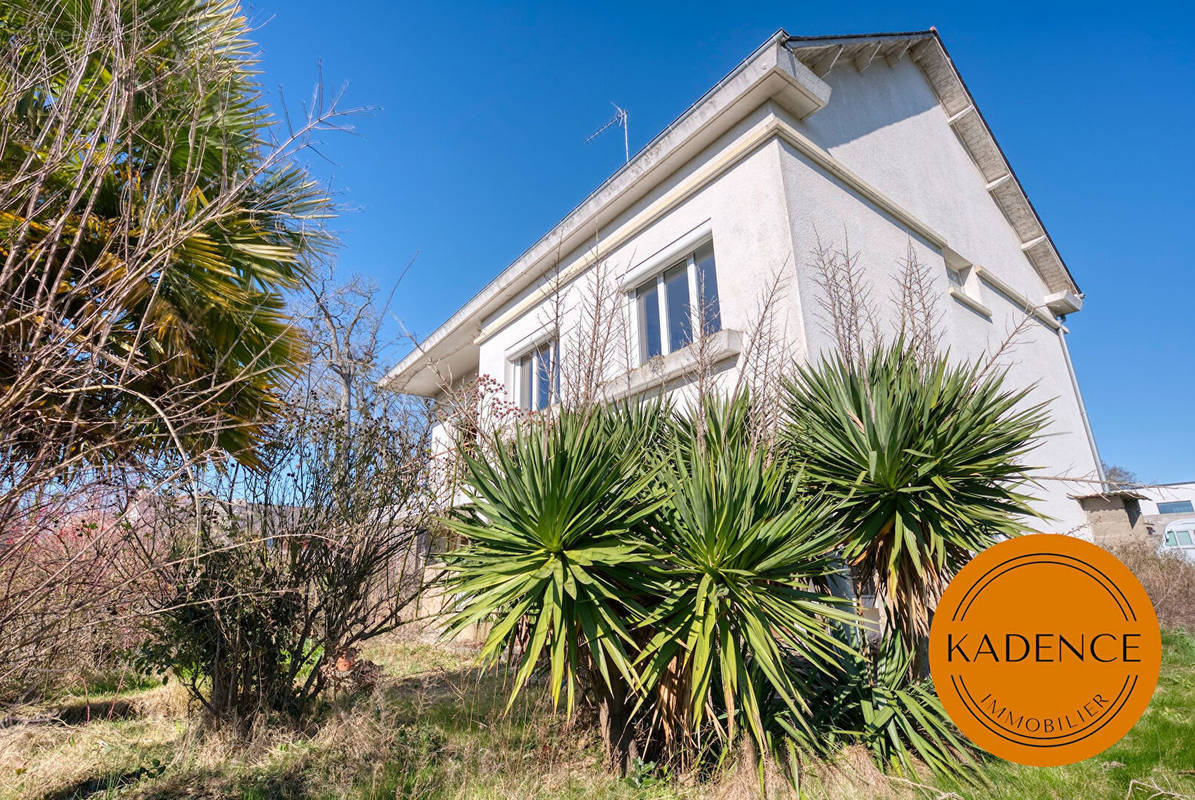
pixel 543 377
pixel 680 321
pixel 707 289
pixel 649 317
pixel 1176 507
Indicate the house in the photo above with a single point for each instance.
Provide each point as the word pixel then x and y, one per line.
pixel 1161 515
pixel 807 144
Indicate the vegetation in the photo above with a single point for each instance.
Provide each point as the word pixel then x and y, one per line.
pixel 203 471
pixel 151 226
pixel 265 601
pixel 692 580
pixel 149 229
pixel 434 729
pixel 552 557
pixel 924 461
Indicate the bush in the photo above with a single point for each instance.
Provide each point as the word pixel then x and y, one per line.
pixel 691 580
pixel 1168 579
pixel 321 550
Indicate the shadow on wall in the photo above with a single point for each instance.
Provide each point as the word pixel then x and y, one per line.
pixel 888 102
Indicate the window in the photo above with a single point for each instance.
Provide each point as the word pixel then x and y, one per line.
pixel 675 303
pixel 1178 538
pixel 1176 507
pixel 537 376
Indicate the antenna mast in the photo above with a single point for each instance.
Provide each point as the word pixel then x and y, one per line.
pixel 620 119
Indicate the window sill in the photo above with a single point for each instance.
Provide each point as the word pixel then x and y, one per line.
pixel 970 302
pixel 662 370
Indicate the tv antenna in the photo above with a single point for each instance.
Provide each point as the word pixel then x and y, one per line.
pixel 619 119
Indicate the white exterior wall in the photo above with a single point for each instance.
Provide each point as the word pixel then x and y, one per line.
pixel 744 209
pixel 766 210
pixel 1164 494
pixel 894 134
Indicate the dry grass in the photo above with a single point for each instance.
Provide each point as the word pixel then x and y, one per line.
pixel 435 728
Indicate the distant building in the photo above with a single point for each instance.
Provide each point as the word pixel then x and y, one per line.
pixel 1162 515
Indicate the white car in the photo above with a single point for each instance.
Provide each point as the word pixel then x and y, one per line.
pixel 1179 539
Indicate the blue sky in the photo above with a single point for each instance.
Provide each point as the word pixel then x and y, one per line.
pixel 475 146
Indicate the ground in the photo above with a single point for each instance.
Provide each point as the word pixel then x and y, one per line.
pixel 435 728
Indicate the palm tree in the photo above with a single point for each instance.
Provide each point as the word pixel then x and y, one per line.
pixel 148 227
pixel 924 462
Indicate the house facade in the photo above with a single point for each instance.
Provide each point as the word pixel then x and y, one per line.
pixel 808 145
pixel 1160 515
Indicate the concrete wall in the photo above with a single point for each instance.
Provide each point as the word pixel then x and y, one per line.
pixel 1113 519
pixel 893 133
pixel 766 210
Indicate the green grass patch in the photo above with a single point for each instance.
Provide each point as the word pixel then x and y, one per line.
pixel 1157 755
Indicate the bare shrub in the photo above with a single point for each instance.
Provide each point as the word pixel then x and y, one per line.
pixel 917 299
pixel 153 223
pixel 319 548
pixel 848 310
pixel 1169 580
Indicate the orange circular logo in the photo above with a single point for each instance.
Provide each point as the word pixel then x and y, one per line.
pixel 1045 650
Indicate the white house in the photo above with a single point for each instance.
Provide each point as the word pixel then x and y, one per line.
pixel 873 137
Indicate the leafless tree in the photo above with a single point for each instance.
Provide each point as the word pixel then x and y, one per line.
pixel 848 310
pixel 917 301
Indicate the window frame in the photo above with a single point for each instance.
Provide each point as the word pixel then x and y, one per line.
pixel 657 282
pixel 526 374
pixel 1176 506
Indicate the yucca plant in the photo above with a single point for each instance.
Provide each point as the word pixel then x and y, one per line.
pixel 872 701
pixel 745 559
pixel 925 463
pixel 553 558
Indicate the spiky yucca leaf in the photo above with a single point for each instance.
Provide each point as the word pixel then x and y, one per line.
pixel 926 464
pixel 552 552
pixel 872 701
pixel 744 557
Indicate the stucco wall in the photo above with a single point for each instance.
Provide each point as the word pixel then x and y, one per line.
pixel 1163 494
pixel 744 211
pixel 894 134
pixel 766 211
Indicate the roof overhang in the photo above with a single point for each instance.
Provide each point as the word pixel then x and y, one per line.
pixel 1126 494
pixel 824 53
pixel 772 72
pixel 787 70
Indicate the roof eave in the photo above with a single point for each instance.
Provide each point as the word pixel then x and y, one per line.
pixel 972 128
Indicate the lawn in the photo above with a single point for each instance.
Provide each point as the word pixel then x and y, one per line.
pixel 434 728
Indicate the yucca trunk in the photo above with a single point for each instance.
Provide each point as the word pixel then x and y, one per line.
pixel 615 704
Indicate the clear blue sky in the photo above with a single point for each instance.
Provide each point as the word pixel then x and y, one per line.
pixel 476 147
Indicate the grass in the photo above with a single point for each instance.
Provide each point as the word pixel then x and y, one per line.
pixel 435 728
pixel 1157 755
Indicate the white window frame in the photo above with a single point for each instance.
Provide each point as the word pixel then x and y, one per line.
pixel 696 322
pixel 517 366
